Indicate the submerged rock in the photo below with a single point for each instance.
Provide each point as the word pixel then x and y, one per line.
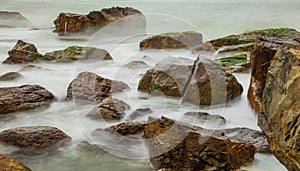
pixel 23 98
pixel 140 113
pixel 136 65
pixel 85 148
pixel 11 76
pixel 172 40
pixel 13 19
pixel 204 117
pixel 89 88
pixel 35 140
pixel 8 164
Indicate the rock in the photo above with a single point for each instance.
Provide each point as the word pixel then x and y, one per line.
pixel 23 52
pixel 139 113
pixel 172 40
pixel 176 146
pixel 35 140
pixel 280 119
pixel 85 148
pixel 13 19
pixel 6 118
pixel 204 83
pixel 235 63
pixel 206 117
pixel 89 88
pixel 11 76
pixel 260 58
pixel 7 164
pixel 136 65
pixel 110 109
pixel 67 23
pixel 74 53
pixel 29 68
pixel 24 97
pixel 127 128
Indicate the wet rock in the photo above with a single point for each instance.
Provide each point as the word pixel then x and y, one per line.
pixel 204 117
pixel 89 88
pixel 7 164
pixel 235 63
pixel 127 128
pixel 176 146
pixel 11 76
pixel 280 119
pixel 29 68
pixel 23 52
pixel 136 65
pixel 140 113
pixel 74 53
pixel 35 140
pixel 110 109
pixel 67 23
pixel 23 98
pixel 85 148
pixel 172 40
pixel 13 19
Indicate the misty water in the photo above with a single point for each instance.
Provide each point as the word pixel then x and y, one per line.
pixel 214 18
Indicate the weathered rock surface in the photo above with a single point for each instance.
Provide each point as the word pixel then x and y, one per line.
pixel 177 146
pixel 11 76
pixel 67 23
pixel 127 128
pixel 206 117
pixel 204 83
pixel 172 40
pixel 110 109
pixel 8 164
pixel 35 140
pixel 89 88
pixel 280 119
pixel 24 97
pixel 140 113
pixel 13 19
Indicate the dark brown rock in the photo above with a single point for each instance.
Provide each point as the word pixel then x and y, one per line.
pixel 206 117
pixel 13 19
pixel 89 88
pixel 127 128
pixel 8 164
pixel 24 97
pixel 11 76
pixel 35 140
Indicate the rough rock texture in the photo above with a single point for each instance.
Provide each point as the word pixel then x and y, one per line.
pixel 204 117
pixel 11 76
pixel 176 146
pixel 22 52
pixel 280 119
pixel 172 40
pixel 109 109
pixel 8 164
pixel 13 19
pixel 204 83
pixel 35 140
pixel 24 97
pixel 89 88
pixel 140 113
pixel 67 23
pixel 260 58
pixel 127 128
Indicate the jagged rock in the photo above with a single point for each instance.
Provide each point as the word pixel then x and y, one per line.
pixel 11 76
pixel 35 140
pixel 139 113
pixel 280 119
pixel 89 88
pixel 67 23
pixel 24 97
pixel 8 164
pixel 177 146
pixel 110 109
pixel 172 40
pixel 204 117
pixel 13 19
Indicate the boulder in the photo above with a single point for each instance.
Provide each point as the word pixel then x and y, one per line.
pixel 67 23
pixel 175 40
pixel 24 97
pixel 7 164
pixel 109 109
pixel 177 146
pixel 13 19
pixel 89 88
pixel 35 140
pixel 11 76
pixel 206 117
pixel 139 113
pixel 280 119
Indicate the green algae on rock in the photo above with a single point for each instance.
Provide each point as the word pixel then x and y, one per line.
pixel 233 60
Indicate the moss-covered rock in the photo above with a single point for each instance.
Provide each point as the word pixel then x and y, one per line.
pixel 233 60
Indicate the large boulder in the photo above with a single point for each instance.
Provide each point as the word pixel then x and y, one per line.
pixel 172 40
pixel 7 164
pixel 177 146
pixel 67 23
pixel 204 83
pixel 11 76
pixel 24 97
pixel 89 88
pixel 280 119
pixel 13 19
pixel 35 140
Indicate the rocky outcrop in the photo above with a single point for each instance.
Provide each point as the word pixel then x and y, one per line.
pixel 89 88
pixel 177 146
pixel 110 109
pixel 206 117
pixel 35 140
pixel 13 19
pixel 67 23
pixel 11 76
pixel 172 40
pixel 8 164
pixel 280 119
pixel 23 98
pixel 204 83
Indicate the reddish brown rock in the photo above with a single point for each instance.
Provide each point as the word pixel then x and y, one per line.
pixel 8 164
